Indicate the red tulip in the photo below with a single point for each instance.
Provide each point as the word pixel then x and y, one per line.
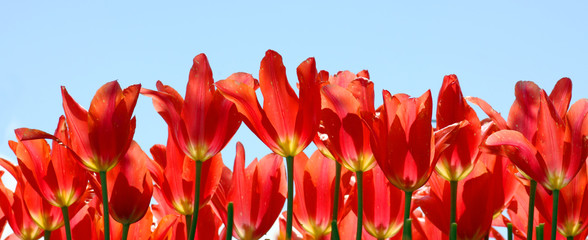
pixel 82 225
pixel 140 230
pixel 478 201
pixel 52 172
pixel 286 123
pixel 404 143
pixel 258 193
pixel 523 117
pixel 343 131
pixel 315 187
pixel 205 121
pixel 360 87
pixel 26 211
pixel 382 205
pixel 131 188
pixel 347 229
pixel 457 160
pixel 173 174
pixel 573 207
pixel 102 135
pixel 554 156
pixel 518 214
pixel 172 226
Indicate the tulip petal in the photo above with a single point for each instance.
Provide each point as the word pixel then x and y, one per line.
pixel 523 112
pixel 520 151
pixel 493 114
pixel 280 102
pixel 561 96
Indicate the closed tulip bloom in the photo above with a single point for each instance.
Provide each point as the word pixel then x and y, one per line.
pixel 131 189
pixel 404 143
pixel 457 160
pixel 101 135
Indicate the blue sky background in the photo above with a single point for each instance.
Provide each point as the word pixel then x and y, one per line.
pixel 406 48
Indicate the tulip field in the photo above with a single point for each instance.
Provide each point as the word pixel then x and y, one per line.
pixel 395 171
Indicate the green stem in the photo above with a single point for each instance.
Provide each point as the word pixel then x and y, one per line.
pixel 125 231
pixel 531 210
pixel 188 223
pixel 406 229
pixel 453 232
pixel 230 220
pixel 334 228
pixel 408 224
pixel 554 218
pixel 540 231
pixel 453 206
pixel 509 230
pixel 359 175
pixel 65 213
pixel 196 200
pixel 47 235
pixel 105 205
pixel 570 238
pixel 290 166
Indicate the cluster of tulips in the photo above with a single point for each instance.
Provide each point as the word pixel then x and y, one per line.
pixel 401 178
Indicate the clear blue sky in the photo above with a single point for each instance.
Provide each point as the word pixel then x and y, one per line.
pixel 406 48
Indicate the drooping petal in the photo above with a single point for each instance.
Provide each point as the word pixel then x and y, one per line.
pixel 520 151
pixel 493 114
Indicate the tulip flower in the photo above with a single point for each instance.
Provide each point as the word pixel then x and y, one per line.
pixel 474 212
pixel 203 123
pixel 82 225
pixel 523 118
pixel 554 156
pixel 173 174
pixel 345 132
pixel 258 193
pixel 518 214
pixel 363 90
pixel 404 143
pixel 572 205
pixel 315 187
pixel 458 159
pixel 130 193
pixel 171 226
pixel 101 136
pixel 52 172
pixel 286 123
pixel 26 211
pixel 382 205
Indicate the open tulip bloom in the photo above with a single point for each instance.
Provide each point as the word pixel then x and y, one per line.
pixel 286 123
pixel 464 178
pixel 556 153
